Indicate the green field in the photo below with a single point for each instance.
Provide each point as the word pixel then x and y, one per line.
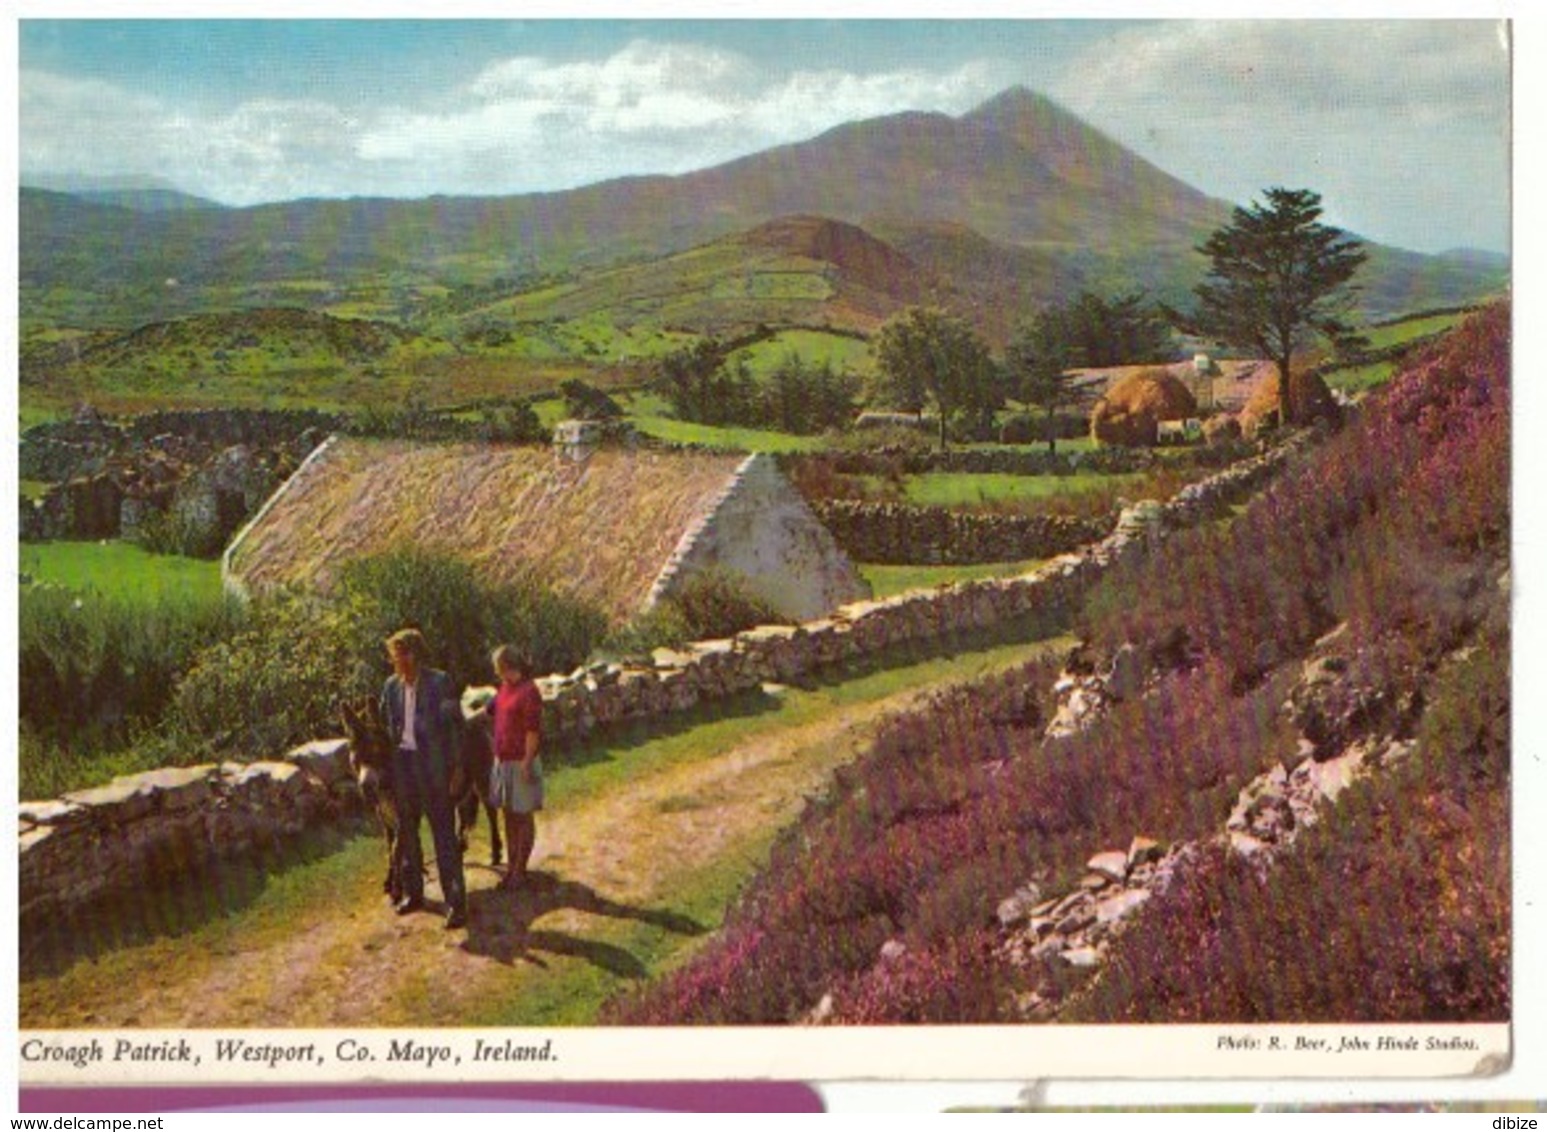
pixel 953 489
pixel 1405 331
pixel 802 285
pixel 121 570
pixel 888 580
pixel 1359 379
pixel 649 413
pixel 811 346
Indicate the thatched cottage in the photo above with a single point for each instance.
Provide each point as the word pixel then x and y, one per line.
pixel 619 527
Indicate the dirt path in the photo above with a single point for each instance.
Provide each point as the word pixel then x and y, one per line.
pixel 628 878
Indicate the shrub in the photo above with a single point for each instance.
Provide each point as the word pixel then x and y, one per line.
pixel 705 383
pixel 1397 913
pixel 174 532
pixel 1371 524
pixel 708 605
pixel 718 603
pixel 516 423
pixel 586 402
pixel 1031 428
pixel 463 618
pixel 803 398
pixel 960 980
pixel 890 438
pixel 93 669
pixel 275 684
pixel 817 478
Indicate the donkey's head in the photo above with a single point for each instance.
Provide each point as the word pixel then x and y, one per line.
pixel 370 747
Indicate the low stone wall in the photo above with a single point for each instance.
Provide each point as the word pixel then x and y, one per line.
pixel 1032 460
pixel 143 827
pixel 56 451
pixel 115 837
pixel 900 534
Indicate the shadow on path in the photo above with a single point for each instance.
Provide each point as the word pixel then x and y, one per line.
pixel 500 924
pixel 174 900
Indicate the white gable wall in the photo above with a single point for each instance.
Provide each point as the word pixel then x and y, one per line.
pixel 762 530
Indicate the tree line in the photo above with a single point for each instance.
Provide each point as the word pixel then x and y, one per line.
pixel 1277 280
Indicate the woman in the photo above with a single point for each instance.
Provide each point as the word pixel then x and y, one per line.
pixel 516 779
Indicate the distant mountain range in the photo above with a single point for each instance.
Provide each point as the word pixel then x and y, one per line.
pixel 141 194
pixel 1009 206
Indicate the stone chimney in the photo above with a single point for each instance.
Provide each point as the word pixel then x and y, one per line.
pixel 576 440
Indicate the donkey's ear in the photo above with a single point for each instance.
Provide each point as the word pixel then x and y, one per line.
pixel 346 713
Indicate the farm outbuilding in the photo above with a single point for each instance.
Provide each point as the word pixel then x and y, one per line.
pixel 619 527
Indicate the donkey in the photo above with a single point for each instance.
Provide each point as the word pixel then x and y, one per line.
pixel 470 772
pixel 370 759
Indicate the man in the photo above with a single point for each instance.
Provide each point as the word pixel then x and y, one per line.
pixel 420 706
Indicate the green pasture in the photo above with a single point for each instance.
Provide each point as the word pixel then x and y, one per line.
pixel 954 489
pixel 1360 379
pixel 121 570
pixel 650 415
pixel 1395 333
pixel 813 347
pixel 888 580
pixel 806 286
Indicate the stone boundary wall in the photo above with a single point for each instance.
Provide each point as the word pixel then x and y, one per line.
pixel 139 828
pixel 116 837
pixel 1028 461
pixel 900 534
pixel 56 451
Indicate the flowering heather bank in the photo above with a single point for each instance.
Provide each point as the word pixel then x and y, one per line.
pixel 880 905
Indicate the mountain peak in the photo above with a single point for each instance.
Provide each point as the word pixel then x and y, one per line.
pixel 1014 99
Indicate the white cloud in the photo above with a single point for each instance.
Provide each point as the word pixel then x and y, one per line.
pixel 265 149
pixel 529 123
pixel 809 101
pixel 639 71
pixel 661 89
pixel 71 125
pixel 1394 122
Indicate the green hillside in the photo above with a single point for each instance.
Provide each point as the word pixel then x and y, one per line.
pixel 799 271
pixel 1024 203
pixel 275 358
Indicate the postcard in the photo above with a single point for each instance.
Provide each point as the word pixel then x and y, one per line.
pixel 562 550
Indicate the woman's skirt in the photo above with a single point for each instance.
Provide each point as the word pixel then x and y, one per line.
pixel 509 790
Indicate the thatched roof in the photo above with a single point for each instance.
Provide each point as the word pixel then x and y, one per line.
pixel 602 529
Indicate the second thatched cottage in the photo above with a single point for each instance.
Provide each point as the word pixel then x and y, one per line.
pixel 619 527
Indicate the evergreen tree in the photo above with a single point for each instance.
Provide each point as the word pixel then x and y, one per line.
pixel 1277 278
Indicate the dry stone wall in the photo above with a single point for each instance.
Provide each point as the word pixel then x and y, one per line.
pixel 905 535
pixel 146 827
pixel 116 837
pixel 206 467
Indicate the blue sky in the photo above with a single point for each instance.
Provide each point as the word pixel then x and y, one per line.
pixel 1401 125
